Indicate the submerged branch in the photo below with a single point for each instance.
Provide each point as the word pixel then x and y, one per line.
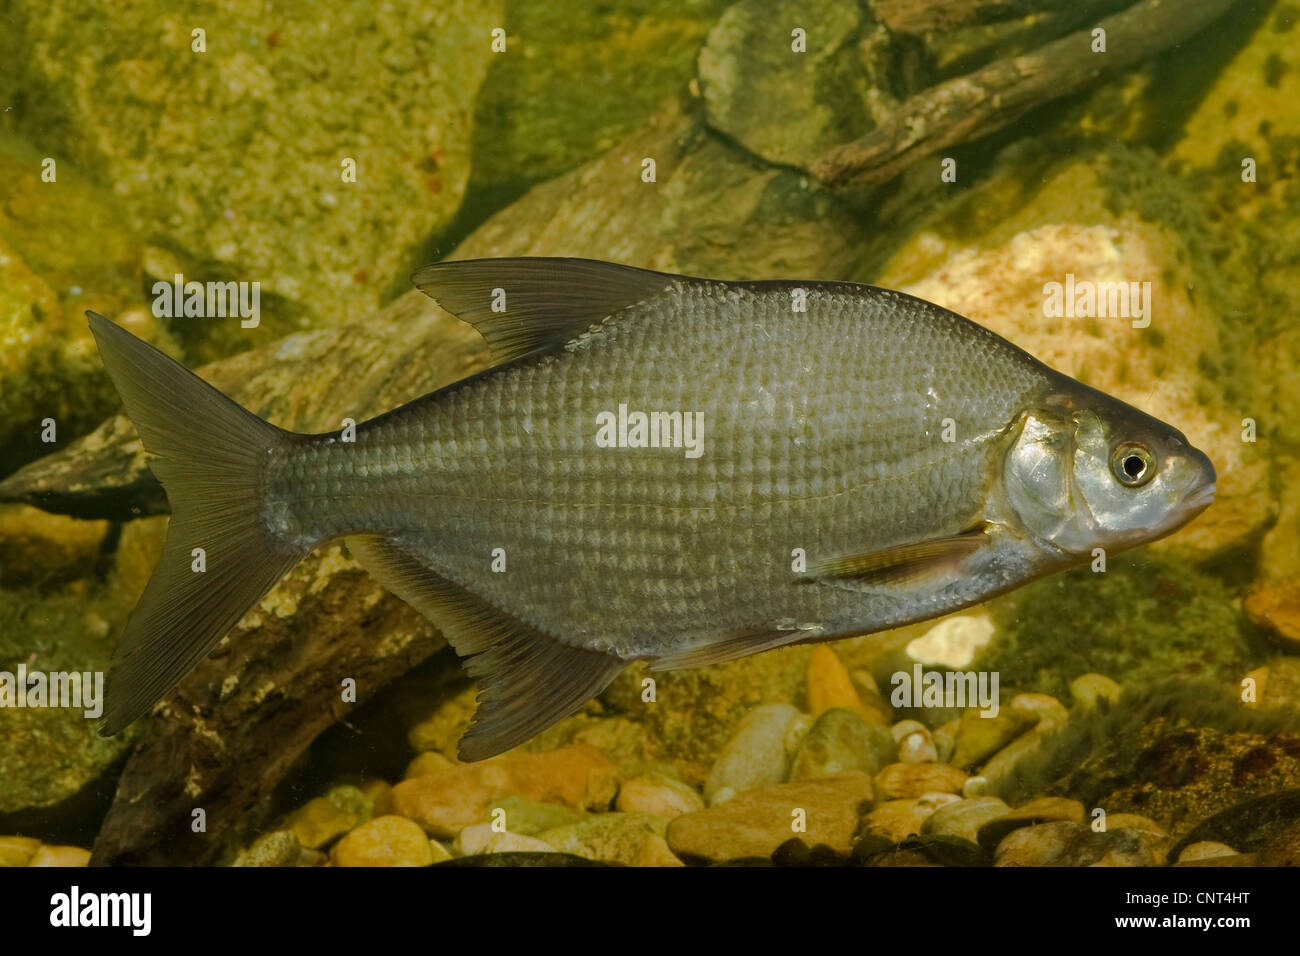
pixel 974 105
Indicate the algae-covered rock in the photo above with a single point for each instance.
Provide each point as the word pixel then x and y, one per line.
pixel 48 754
pixel 63 250
pixel 710 211
pixel 791 79
pixel 1177 753
pixel 1146 618
pixel 755 823
pixel 841 739
pixel 1276 606
pixel 575 79
pixel 532 817
pixel 241 122
pixel 612 837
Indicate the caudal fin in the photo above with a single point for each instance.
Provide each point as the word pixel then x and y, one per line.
pixel 211 457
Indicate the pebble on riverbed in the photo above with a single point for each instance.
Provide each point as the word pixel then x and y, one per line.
pixel 755 823
pixel 384 841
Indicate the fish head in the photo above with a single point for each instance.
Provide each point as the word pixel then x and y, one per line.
pixel 1089 471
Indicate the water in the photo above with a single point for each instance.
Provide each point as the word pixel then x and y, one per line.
pixel 1139 233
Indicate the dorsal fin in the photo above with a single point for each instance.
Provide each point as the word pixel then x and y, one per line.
pixel 527 680
pixel 541 302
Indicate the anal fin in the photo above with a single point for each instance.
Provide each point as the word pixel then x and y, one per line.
pixel 527 680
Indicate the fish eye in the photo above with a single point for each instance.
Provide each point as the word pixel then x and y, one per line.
pixel 1133 464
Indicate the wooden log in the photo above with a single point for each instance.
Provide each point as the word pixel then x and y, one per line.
pixel 981 102
pixel 911 16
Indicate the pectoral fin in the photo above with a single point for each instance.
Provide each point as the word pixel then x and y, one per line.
pixel 904 562
pixel 730 647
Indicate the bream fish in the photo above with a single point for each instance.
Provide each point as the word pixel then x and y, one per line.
pixel 663 468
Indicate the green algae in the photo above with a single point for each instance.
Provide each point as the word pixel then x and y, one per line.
pixel 1145 618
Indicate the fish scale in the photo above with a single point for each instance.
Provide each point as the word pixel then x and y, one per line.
pixel 827 500
pixel 672 547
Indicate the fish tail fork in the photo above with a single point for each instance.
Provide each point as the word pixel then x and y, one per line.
pixel 220 556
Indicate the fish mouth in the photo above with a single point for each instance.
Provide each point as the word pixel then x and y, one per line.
pixel 1200 499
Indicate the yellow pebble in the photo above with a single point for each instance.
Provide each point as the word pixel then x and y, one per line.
pixel 60 856
pixel 384 841
pixel 829 684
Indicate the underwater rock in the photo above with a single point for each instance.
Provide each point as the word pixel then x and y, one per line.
pixel 380 795
pixel 788 98
pixel 277 848
pixel 841 739
pixel 1148 618
pixel 1260 75
pixel 515 858
pixel 62 250
pixel 1067 843
pixel 1042 810
pixel 45 551
pixel 52 759
pixel 575 80
pixel 61 856
pixel 17 850
pixel 1005 251
pixel 901 781
pixel 918 747
pixel 384 841
pixel 831 685
pixel 321 821
pixel 533 817
pixel 485 838
pixel 896 820
pixel 963 818
pixel 980 737
pixel 755 823
pixel 1205 850
pixel 1282 850
pixel 758 754
pixel 445 803
pixel 659 795
pixel 611 837
pixel 1088 689
pixel 1276 606
pixel 238 160
pixel 1187 756
pixel 426 763
pixel 47 364
pixel 953 642
pixel 1252 824
pixel 711 211
pixel 655 851
pixel 928 851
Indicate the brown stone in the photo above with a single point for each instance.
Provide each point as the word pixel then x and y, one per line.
pixel 444 803
pixel 900 781
pixel 755 823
